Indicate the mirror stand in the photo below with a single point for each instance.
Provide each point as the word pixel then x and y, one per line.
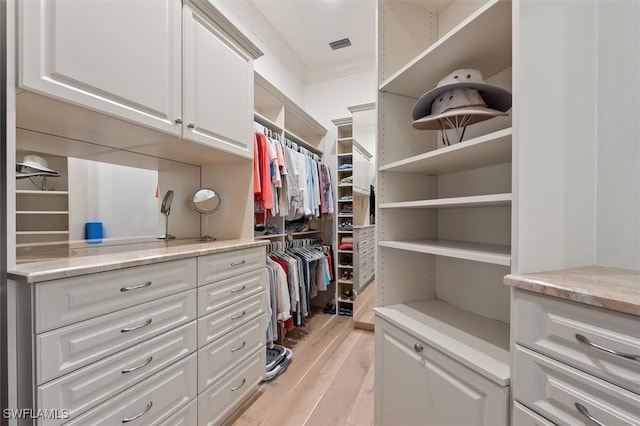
pixel 206 237
pixel 206 202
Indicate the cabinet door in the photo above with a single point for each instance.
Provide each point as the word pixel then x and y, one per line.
pixel 418 385
pixel 217 87
pixel 360 171
pixel 120 58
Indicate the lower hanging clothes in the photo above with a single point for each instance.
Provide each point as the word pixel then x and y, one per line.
pixel 296 275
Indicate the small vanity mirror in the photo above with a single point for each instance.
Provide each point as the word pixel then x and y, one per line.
pixel 206 201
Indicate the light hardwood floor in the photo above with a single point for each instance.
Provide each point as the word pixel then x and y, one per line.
pixel 329 380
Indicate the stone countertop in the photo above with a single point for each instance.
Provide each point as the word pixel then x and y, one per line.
pixel 611 288
pixel 124 256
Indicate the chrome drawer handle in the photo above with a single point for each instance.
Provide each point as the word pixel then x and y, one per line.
pixel 239 316
pixel 239 263
pixel 137 327
pixel 236 290
pixel 239 347
pixel 135 287
pixel 129 370
pixel 418 347
pixel 580 338
pixel 235 388
pixel 130 419
pixel 583 410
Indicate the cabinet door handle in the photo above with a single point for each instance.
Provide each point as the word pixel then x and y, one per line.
pixel 239 347
pixel 236 290
pixel 583 410
pixel 137 327
pixel 235 388
pixel 135 287
pixel 137 367
pixel 580 338
pixel 418 347
pixel 191 125
pixel 178 120
pixel 235 317
pixel 239 263
pixel 130 419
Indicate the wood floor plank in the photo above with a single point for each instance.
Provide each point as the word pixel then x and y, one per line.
pixel 312 345
pixel 362 411
pixel 295 411
pixel 337 402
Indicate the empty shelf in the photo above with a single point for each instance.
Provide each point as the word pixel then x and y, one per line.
pixel 486 253
pixel 471 201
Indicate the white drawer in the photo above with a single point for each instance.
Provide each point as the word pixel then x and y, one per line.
pixel 70 300
pixel 153 400
pixel 216 267
pixel 66 349
pixel 550 326
pixel 553 389
pixel 215 296
pixel 89 386
pixel 186 416
pixel 223 397
pixel 220 356
pixel 522 416
pixel 226 319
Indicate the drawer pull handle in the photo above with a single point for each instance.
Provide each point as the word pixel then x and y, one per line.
pixel 235 388
pixel 135 287
pixel 583 410
pixel 239 263
pixel 239 347
pixel 580 338
pixel 418 347
pixel 235 290
pixel 137 367
pixel 147 408
pixel 235 317
pixel 137 327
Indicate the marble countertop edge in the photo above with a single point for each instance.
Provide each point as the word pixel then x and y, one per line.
pixel 610 288
pixel 53 269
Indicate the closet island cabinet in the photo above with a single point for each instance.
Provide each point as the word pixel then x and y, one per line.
pixel 176 67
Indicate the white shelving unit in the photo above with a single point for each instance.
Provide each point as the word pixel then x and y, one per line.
pixel 443 218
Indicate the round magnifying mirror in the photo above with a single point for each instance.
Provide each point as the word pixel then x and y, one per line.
pixel 206 201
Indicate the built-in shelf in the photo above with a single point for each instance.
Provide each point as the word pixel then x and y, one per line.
pixel 345 170
pixel 302 142
pixel 54 212
pixel 349 154
pixel 42 232
pixel 345 201
pixel 487 150
pixel 259 118
pixel 345 282
pixel 345 251
pixel 345 185
pixel 491 200
pixel 311 232
pixel 345 266
pixel 480 343
pixel 347 301
pixel 345 140
pixel 345 232
pixel 345 215
pixel 36 192
pixel 268 236
pixel 482 42
pixel 486 253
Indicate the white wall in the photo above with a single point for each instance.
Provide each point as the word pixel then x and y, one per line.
pixel 618 183
pixel 279 65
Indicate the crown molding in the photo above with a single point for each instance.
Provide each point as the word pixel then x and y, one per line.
pixel 362 107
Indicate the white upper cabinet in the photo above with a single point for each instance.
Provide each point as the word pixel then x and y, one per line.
pixel 177 67
pixel 218 88
pixel 119 58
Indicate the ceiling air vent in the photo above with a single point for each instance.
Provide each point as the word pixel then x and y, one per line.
pixel 339 44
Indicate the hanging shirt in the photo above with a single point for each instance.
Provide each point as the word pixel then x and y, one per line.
pixel 266 190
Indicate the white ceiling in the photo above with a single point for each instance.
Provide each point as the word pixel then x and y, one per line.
pixel 308 26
